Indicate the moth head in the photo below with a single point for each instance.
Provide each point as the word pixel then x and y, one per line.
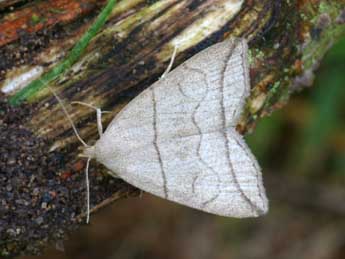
pixel 89 152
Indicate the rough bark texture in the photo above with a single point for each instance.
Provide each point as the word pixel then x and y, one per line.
pixel 41 180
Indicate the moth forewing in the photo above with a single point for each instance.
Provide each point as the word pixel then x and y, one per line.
pixel 177 139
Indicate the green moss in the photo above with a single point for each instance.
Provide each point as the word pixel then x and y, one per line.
pixel 317 48
pixel 272 95
pixel 258 54
pixel 57 11
pixel 324 7
pixel 35 19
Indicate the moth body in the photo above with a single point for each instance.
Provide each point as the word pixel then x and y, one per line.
pixel 177 139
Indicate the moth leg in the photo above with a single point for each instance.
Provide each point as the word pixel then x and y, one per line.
pixel 170 63
pixel 87 182
pixel 98 114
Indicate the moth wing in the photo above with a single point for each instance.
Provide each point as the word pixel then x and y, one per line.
pixel 219 76
pixel 215 82
pixel 214 172
pixel 176 139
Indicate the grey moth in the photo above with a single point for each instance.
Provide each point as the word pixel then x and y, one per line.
pixel 177 139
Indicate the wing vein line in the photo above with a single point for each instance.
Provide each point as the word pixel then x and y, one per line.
pixel 224 131
pixel 155 144
pixel 256 175
pixel 200 133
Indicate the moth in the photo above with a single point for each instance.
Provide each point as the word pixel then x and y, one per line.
pixel 177 139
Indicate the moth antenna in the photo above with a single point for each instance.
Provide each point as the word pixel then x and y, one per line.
pixel 88 105
pixel 68 117
pixel 172 59
pixel 85 145
pixel 87 190
pixel 85 104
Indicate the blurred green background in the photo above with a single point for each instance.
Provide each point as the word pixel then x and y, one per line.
pixel 301 149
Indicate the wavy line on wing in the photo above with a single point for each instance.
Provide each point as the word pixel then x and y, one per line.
pixel 201 135
pixel 245 197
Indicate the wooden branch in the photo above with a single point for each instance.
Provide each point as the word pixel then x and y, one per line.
pixel 42 185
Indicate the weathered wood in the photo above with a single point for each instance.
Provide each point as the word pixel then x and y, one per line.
pixel 287 41
pixel 43 15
